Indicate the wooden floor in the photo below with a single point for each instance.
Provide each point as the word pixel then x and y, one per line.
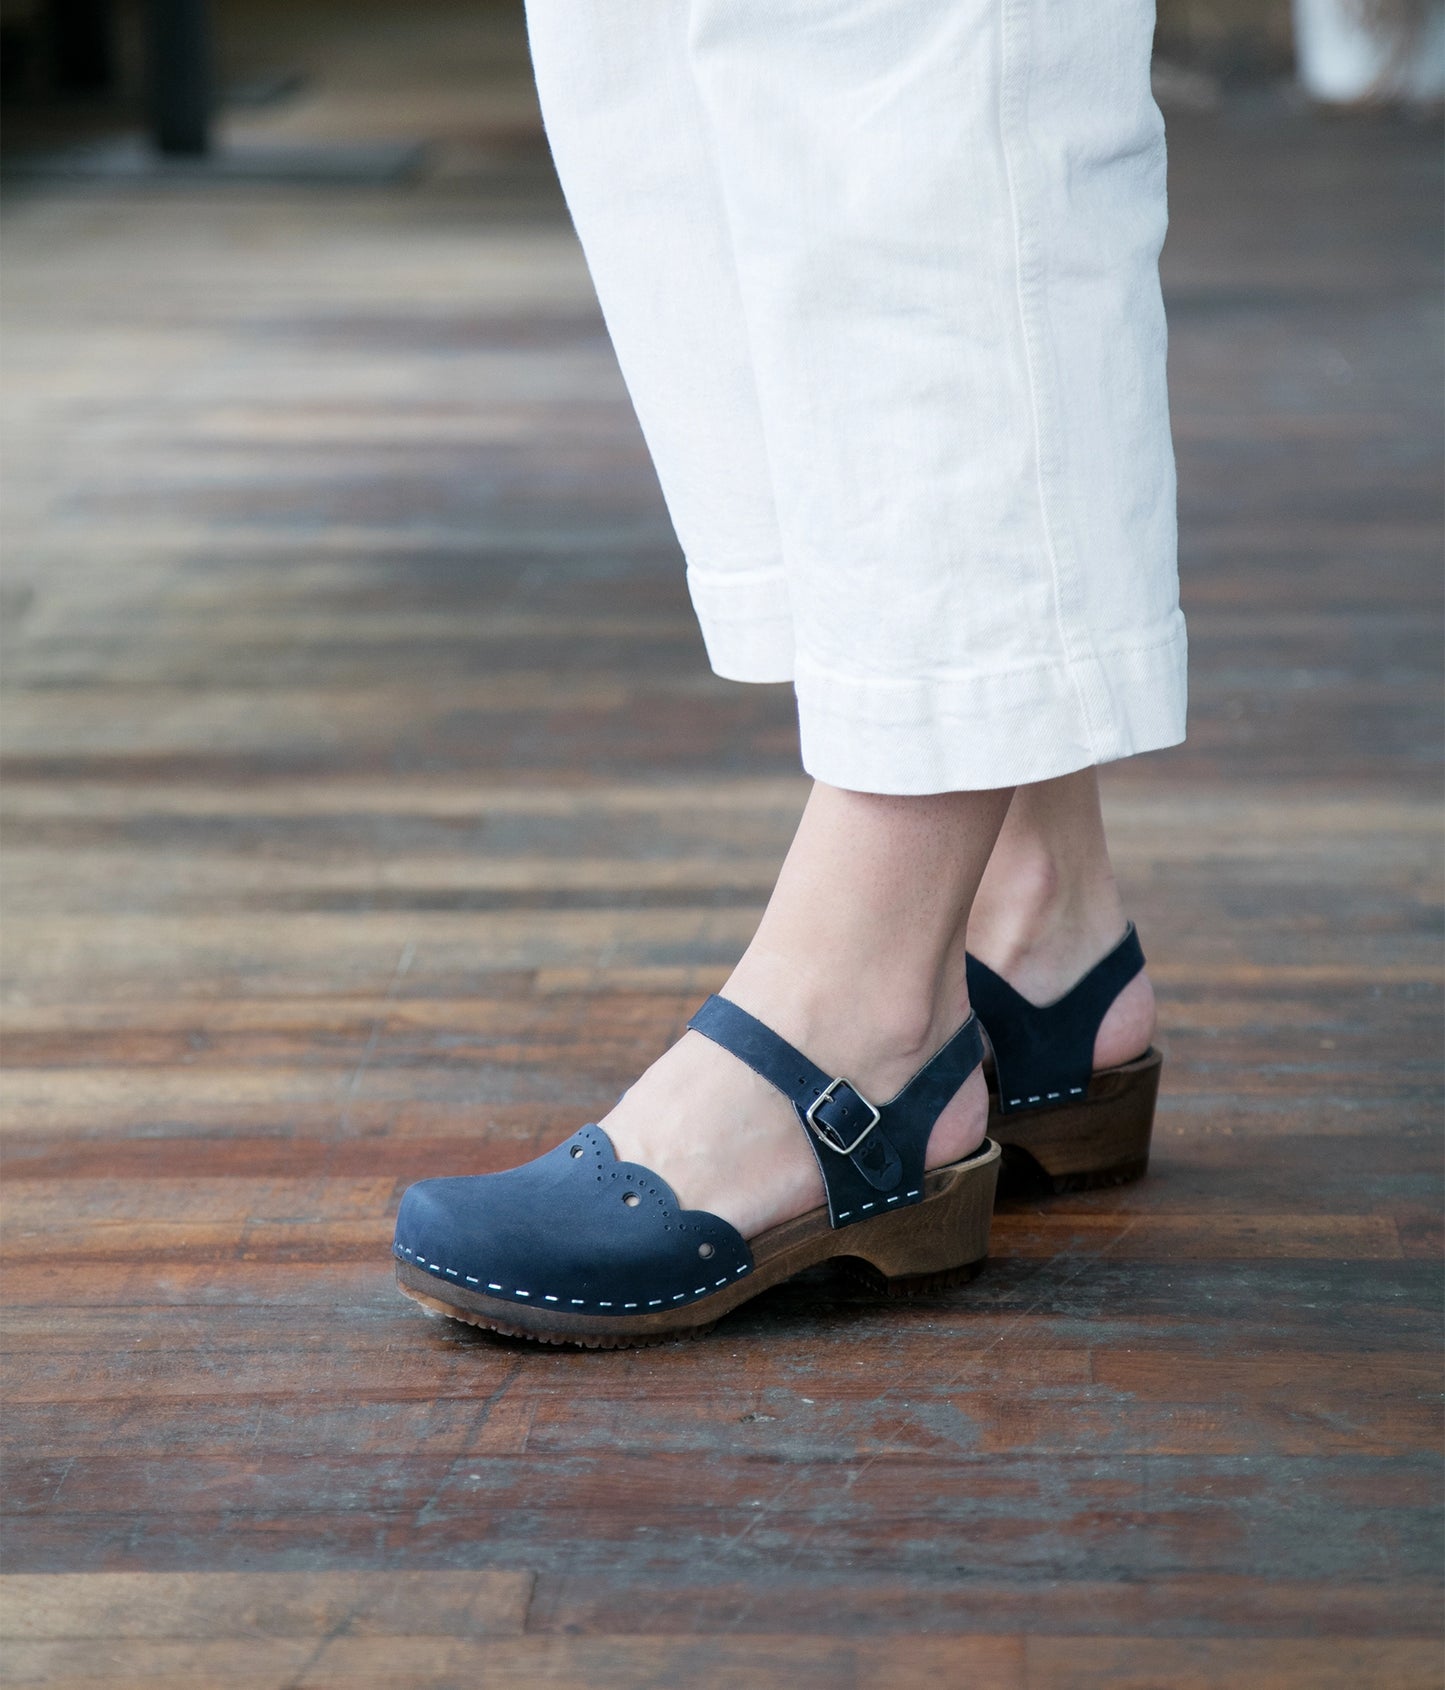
pixel 372 814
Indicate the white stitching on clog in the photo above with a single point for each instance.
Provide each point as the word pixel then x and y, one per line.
pixel 1073 1091
pixel 576 1302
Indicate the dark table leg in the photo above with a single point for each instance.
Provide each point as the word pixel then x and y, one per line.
pixel 82 45
pixel 180 76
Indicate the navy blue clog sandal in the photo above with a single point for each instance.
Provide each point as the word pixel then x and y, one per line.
pixel 1057 1119
pixel 579 1248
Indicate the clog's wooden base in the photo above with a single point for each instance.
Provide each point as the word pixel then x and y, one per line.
pixel 1101 1140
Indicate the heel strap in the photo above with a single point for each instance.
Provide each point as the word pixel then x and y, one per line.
pixel 871 1155
pixel 1043 1054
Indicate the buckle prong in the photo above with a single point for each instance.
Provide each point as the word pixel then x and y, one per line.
pixel 824 1133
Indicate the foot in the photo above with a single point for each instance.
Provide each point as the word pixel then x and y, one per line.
pixel 858 962
pixel 726 1141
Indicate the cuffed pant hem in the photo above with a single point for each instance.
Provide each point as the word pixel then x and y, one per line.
pixel 746 624
pixel 977 732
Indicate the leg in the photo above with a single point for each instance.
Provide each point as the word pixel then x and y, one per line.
pixel 1048 907
pixel 859 961
pixel 882 278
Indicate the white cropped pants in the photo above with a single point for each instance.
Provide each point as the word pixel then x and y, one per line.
pixel 882 278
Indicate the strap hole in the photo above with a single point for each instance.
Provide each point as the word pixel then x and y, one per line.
pixel 631 1199
pixel 705 1251
pixel 576 1151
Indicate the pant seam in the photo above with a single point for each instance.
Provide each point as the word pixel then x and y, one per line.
pixel 1010 96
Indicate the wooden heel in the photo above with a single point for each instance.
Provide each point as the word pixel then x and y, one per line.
pixel 941 1241
pixel 1101 1140
pixel 915 1284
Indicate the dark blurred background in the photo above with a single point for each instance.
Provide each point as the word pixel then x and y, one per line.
pixel 184 70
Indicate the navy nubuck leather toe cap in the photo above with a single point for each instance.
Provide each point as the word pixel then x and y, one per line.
pixel 575 1229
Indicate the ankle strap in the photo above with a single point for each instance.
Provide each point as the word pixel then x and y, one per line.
pixel 871 1155
pixel 1043 1054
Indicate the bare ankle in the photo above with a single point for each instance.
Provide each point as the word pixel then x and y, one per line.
pixel 1037 914
pixel 881 1030
pixel 1043 927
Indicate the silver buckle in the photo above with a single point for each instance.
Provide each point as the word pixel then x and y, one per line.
pixel 822 1131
